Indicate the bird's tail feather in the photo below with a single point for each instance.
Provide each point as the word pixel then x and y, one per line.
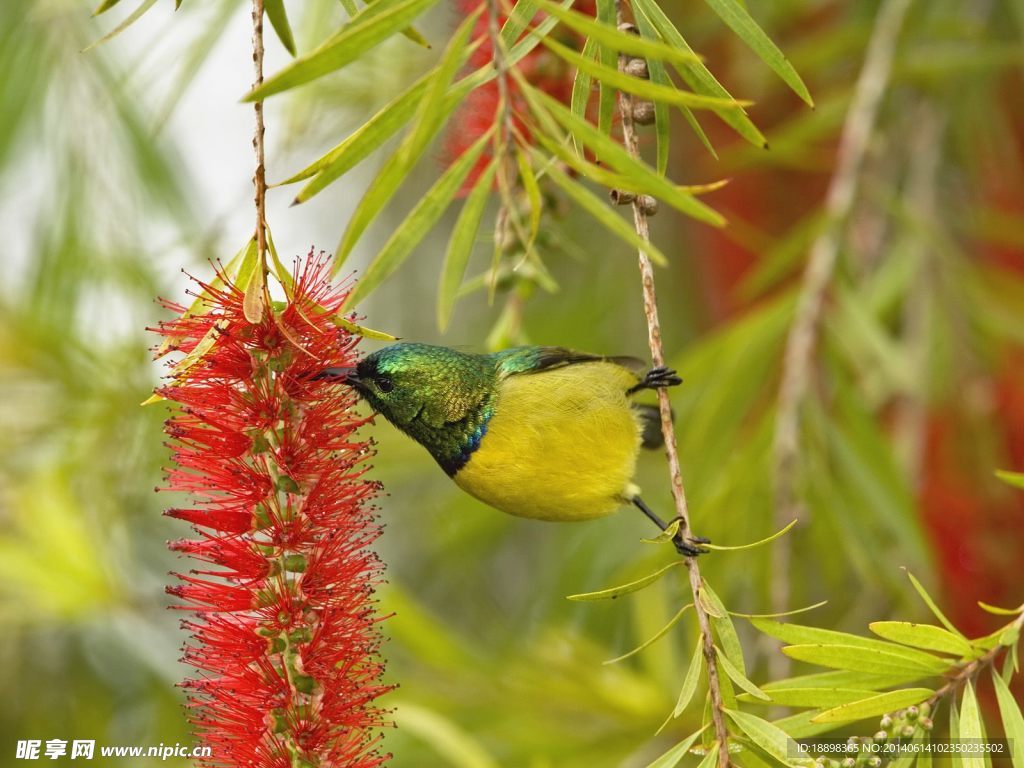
pixel 651 436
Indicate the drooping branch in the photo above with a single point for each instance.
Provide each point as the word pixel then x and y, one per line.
pixel 640 223
pixel 803 334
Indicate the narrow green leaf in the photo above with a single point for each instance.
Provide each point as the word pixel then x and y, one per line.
pixel 667 535
pixel 135 15
pixel 735 15
pixel 612 593
pixel 610 36
pixel 522 14
pixel 738 677
pixel 646 89
pixel 860 659
pixel 840 678
pixel 954 732
pixel 655 637
pixel 581 83
pixel 612 153
pixel 798 634
pixel 1016 479
pixel 608 56
pixel 931 604
pixel 874 705
pixel 710 758
pixel 362 330
pixel 600 211
pixel 350 7
pixel 460 245
pixel 995 609
pixel 671 758
pixel 698 76
pixel 780 614
pixel 926 636
pixel 532 189
pixel 694 674
pixel 366 30
pixel 765 735
pixel 416 225
pixel 723 626
pixel 815 697
pixel 279 20
pixel 106 5
pixel 1013 721
pixel 970 726
pixel 253 305
pixel 737 547
pixel 659 74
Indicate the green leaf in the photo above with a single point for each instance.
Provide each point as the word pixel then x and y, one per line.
pixel 517 22
pixel 995 609
pixel 765 735
pixel 872 706
pixel 362 330
pixel 581 83
pixel 723 626
pixel 529 181
pixel 622 42
pixel 638 86
pixel 814 697
pixel 608 56
pixel 420 220
pixel 460 245
pixel 737 547
pixel 1016 479
pixel 927 636
pixel 1013 721
pixel 738 677
pixel 860 659
pixel 691 680
pixel 840 679
pixel 780 614
pixel 798 634
pixel 671 758
pixel 667 535
pixel 279 20
pixel 361 142
pixel 970 726
pixel 698 76
pixel 106 5
pixel 735 15
pixel 367 29
pixel 612 593
pixel 135 15
pixel 931 604
pixel 655 637
pixel 600 211
pixel 710 758
pixel 612 153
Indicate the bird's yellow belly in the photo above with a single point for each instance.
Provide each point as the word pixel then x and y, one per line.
pixel 562 445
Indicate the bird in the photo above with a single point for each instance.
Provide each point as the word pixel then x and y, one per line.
pixel 540 432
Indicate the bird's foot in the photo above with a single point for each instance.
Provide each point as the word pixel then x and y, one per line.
pixel 691 546
pixel 658 378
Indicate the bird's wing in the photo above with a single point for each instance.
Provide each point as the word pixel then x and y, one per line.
pixel 518 360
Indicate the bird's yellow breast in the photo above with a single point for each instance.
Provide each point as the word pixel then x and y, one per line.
pixel 562 444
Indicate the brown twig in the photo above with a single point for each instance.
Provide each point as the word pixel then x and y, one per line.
pixel 640 223
pixel 259 179
pixel 797 362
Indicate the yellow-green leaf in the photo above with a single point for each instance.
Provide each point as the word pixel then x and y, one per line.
pixel 970 727
pixel 416 225
pixel 873 705
pixel 460 245
pixel 815 697
pixel 926 636
pixel 1013 721
pixel 736 16
pixel 1016 479
pixel 671 758
pixel 624 589
pixel 931 604
pixel 739 678
pixel 860 659
pixel 692 679
pixel 366 30
pixel 765 735
pixel 279 20
pixel 134 16
pixel 765 540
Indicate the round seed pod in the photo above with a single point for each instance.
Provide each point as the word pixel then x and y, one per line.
pixel 637 68
pixel 648 204
pixel 643 112
pixel 621 196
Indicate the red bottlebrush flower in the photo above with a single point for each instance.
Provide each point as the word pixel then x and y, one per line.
pixel 285 636
pixel 542 68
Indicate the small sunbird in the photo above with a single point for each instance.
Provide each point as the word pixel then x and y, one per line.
pixel 546 433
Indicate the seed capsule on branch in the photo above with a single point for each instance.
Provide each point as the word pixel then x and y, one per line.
pixel 643 112
pixel 637 68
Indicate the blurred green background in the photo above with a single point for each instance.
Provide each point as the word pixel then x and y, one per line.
pixel 122 165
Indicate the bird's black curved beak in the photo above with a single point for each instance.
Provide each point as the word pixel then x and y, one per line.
pixel 346 375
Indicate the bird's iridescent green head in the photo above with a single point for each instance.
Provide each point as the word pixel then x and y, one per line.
pixel 440 397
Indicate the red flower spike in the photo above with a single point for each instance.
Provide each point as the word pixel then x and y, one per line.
pixel 284 635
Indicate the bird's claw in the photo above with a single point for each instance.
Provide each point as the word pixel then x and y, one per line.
pixel 691 546
pixel 658 378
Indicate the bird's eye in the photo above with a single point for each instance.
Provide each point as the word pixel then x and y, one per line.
pixel 385 384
